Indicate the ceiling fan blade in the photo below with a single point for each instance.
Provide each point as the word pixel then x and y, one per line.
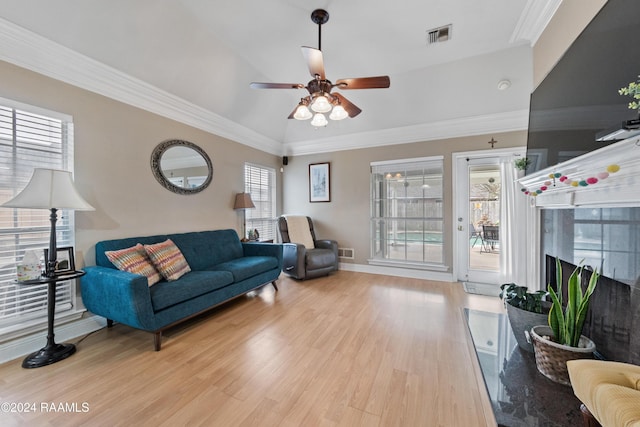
pixel 379 82
pixel 351 109
pixel 255 85
pixel 292 113
pixel 314 61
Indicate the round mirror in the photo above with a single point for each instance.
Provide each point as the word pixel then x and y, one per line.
pixel 181 167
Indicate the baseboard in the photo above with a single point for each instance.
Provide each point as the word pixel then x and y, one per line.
pixel 22 346
pixel 397 271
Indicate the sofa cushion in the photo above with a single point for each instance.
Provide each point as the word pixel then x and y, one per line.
pixel 135 260
pixel 320 258
pixel 249 266
pixel 168 259
pixel 191 285
pixel 205 249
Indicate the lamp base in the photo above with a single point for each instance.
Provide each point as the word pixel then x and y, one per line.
pixel 48 355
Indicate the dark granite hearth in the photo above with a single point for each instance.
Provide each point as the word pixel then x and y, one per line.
pixel 520 395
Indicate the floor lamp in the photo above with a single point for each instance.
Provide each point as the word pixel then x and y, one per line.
pixel 49 189
pixel 244 202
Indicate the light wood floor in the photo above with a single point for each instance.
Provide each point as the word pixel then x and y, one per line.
pixel 351 349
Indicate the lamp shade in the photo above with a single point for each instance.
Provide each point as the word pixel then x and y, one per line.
pixel 243 201
pixel 49 189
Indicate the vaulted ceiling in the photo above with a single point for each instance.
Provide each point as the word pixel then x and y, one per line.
pixel 193 60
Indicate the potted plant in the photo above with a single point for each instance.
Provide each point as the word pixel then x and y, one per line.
pixel 521 165
pixel 562 340
pixel 632 90
pixel 524 309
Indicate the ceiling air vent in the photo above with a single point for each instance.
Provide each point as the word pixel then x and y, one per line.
pixel 438 35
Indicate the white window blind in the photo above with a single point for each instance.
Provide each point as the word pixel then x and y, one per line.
pixel 260 182
pixel 407 212
pixel 30 137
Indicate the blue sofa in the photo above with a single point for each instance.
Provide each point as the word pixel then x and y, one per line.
pixel 222 268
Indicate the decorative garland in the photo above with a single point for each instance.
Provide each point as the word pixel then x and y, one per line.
pixel 613 168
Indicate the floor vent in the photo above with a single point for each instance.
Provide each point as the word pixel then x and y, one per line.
pixel 347 253
pixel 438 35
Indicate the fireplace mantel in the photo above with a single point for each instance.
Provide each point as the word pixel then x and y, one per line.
pixel 619 189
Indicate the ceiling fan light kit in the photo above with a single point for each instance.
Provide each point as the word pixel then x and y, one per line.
pixel 320 99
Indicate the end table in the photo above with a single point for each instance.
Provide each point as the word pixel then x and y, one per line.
pixel 52 352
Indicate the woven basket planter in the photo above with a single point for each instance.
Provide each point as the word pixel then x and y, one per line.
pixel 552 358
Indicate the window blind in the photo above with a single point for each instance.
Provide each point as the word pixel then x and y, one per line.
pixel 30 138
pixel 260 182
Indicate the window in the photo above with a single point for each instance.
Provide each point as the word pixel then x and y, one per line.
pixel 30 137
pixel 406 212
pixel 260 182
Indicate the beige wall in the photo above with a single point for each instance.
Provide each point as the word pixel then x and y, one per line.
pixel 567 23
pixel 113 145
pixel 346 217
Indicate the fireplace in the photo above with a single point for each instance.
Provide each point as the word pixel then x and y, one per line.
pixel 609 240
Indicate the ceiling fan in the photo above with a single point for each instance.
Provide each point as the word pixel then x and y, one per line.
pixel 320 99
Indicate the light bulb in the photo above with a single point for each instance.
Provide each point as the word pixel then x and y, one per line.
pixel 338 113
pixel 302 113
pixel 319 120
pixel 321 104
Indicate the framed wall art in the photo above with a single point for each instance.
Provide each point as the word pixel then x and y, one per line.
pixel 319 182
pixel 65 262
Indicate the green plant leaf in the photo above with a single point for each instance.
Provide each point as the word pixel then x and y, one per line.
pixel 556 319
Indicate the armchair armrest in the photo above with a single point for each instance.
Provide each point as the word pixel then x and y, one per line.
pixel 329 244
pixel 294 258
pixel 118 295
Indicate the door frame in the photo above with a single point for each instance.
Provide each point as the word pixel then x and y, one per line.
pixel 456 184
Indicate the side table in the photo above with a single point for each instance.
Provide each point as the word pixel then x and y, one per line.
pixel 52 352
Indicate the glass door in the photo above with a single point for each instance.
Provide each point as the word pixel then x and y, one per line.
pixel 478 193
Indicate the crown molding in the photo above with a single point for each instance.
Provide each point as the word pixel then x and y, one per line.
pixel 29 50
pixel 445 129
pixel 534 19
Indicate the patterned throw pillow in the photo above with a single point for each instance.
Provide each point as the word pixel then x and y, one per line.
pixel 168 259
pixel 134 260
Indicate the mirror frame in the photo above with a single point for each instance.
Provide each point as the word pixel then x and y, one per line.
pixel 156 157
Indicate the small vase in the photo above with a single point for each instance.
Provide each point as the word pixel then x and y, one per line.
pixel 552 358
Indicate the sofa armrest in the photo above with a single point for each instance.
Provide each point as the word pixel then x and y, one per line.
pixel 118 295
pixel 264 249
pixel 294 255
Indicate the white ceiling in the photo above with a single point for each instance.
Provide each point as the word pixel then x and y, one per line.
pixel 204 53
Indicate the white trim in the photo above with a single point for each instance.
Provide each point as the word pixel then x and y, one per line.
pixel 29 50
pixel 35 110
pixel 534 19
pixel 397 271
pixel 444 129
pixel 618 190
pixel 408 264
pixel 63 332
pixel 411 160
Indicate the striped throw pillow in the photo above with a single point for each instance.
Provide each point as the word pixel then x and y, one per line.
pixel 134 260
pixel 168 259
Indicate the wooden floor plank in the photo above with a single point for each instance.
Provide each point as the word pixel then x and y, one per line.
pixel 345 350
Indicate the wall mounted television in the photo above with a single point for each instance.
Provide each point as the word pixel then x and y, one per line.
pixel 578 101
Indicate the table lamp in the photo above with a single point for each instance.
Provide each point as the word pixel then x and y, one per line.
pixel 50 189
pixel 244 202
